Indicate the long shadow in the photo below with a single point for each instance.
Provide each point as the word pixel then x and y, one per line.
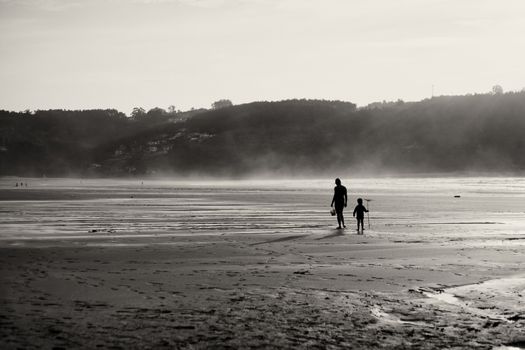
pixel 282 239
pixel 331 235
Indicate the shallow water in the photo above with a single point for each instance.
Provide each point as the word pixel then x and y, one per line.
pixel 76 210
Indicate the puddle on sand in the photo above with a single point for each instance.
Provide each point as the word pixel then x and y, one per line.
pixel 489 298
pixel 389 318
pixel 452 299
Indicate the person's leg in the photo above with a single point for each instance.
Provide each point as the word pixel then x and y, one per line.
pixel 342 218
pixel 338 212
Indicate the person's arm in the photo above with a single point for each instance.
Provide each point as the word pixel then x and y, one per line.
pixel 333 199
pixel 355 209
pixel 346 198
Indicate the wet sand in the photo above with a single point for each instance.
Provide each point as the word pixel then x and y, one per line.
pixel 250 266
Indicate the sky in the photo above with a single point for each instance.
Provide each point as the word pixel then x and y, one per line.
pixel 83 54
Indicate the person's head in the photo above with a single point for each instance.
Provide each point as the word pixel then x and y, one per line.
pixel 338 182
pixel 359 200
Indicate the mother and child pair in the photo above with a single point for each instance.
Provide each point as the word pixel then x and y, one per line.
pixel 340 199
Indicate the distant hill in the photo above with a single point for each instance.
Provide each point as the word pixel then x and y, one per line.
pixel 303 137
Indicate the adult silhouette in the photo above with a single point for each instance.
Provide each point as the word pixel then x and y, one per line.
pixel 339 200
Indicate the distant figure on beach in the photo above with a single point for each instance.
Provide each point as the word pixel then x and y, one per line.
pixel 16 184
pixel 340 198
pixel 359 214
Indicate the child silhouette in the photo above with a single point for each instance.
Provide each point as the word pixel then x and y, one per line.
pixel 359 214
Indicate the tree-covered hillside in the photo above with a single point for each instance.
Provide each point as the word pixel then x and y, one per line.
pixel 303 137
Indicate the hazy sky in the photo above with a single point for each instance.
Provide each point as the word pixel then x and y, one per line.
pixel 78 54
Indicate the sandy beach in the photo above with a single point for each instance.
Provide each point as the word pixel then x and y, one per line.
pixel 127 264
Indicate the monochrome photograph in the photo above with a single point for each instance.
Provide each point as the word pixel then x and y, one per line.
pixel 262 174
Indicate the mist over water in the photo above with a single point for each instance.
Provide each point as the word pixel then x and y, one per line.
pixel 117 211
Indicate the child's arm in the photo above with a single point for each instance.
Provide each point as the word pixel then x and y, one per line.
pixel 355 209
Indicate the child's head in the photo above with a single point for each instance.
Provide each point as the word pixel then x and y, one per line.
pixel 359 200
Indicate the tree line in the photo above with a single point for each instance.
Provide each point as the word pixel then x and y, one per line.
pixel 444 134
